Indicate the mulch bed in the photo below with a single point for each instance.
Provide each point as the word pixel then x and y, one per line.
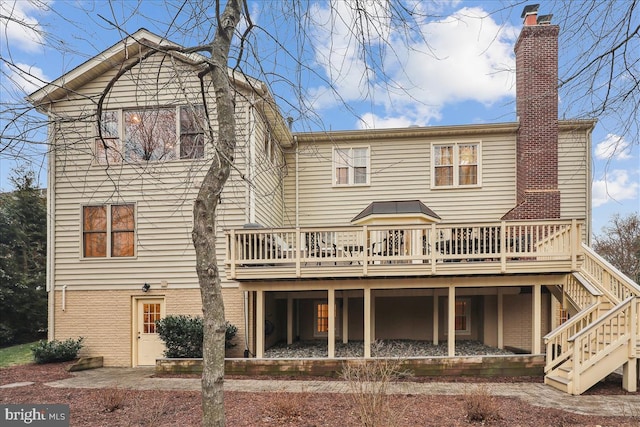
pixel 120 407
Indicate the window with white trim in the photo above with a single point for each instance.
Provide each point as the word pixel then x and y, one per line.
pixel 108 231
pixel 351 166
pixel 455 165
pixel 151 135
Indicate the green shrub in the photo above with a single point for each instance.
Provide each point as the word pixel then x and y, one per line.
pixel 182 335
pixel 56 351
pixel 229 334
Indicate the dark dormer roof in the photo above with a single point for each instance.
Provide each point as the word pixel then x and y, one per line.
pixel 397 208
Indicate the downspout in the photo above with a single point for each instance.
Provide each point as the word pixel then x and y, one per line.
pixel 297 183
pixel 252 168
pixel 248 173
pixel 246 324
pixel 51 221
pixel 589 183
pixel 249 215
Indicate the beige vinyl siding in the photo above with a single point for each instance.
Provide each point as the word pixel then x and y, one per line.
pixel 163 192
pixel 401 170
pixel 268 172
pixel 573 174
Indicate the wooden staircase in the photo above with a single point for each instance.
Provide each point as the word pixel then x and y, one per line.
pixel 602 336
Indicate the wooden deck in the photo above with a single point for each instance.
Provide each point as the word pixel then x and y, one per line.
pixel 504 247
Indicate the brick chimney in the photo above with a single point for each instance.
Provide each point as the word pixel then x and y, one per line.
pixel 536 52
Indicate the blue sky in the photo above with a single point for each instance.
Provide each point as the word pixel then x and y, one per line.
pixel 462 72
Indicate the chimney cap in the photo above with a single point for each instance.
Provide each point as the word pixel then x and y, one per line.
pixel 544 19
pixel 530 9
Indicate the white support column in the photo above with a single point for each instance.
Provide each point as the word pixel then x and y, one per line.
pixel 289 320
pixel 345 317
pixel 451 323
pixel 630 376
pixel 260 324
pixel 436 316
pixel 630 369
pixel 372 319
pixel 500 319
pixel 537 319
pixel 331 334
pixel 367 323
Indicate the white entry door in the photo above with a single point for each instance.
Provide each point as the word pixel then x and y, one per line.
pixel 149 346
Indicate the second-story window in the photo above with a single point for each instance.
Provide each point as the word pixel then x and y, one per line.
pixel 151 135
pixel 351 166
pixel 192 119
pixel 456 165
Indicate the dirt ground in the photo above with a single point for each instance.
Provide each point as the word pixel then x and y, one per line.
pixel 120 407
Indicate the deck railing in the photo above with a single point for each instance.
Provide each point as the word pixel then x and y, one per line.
pixel 580 291
pixel 560 342
pixel 599 271
pixel 362 249
pixel 618 328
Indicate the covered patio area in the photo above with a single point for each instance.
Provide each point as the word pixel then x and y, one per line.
pixel 402 317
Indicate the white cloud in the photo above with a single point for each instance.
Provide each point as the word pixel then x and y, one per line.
pixel 613 147
pixel 464 57
pixel 19 25
pixel 371 121
pixel 26 77
pixel 615 186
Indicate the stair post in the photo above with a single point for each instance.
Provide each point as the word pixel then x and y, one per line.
pixel 630 368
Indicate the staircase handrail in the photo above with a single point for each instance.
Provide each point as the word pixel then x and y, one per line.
pixel 597 341
pixel 604 318
pixel 587 293
pixel 559 347
pixel 629 287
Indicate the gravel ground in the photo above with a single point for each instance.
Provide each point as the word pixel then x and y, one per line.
pixel 389 348
pixel 119 407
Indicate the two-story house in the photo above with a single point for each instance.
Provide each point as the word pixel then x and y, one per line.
pixel 426 234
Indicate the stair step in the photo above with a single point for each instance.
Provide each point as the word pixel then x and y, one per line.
pixel 565 369
pixel 561 380
pixel 558 383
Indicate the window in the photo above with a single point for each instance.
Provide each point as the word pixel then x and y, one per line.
pixel 562 315
pixel 108 231
pixel 321 319
pixel 351 166
pixel 151 135
pixel 192 119
pixel 456 165
pixel 463 316
pixel 151 314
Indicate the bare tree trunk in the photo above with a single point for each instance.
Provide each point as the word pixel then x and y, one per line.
pixel 204 226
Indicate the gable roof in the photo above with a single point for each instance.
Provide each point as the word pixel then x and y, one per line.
pixel 136 44
pixel 89 70
pixel 396 209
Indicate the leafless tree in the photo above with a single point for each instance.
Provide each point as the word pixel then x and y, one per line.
pixel 602 80
pixel 600 75
pixel 619 244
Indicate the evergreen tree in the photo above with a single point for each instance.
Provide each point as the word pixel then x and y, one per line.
pixel 23 254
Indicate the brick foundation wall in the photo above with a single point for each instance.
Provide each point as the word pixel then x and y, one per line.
pixel 104 318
